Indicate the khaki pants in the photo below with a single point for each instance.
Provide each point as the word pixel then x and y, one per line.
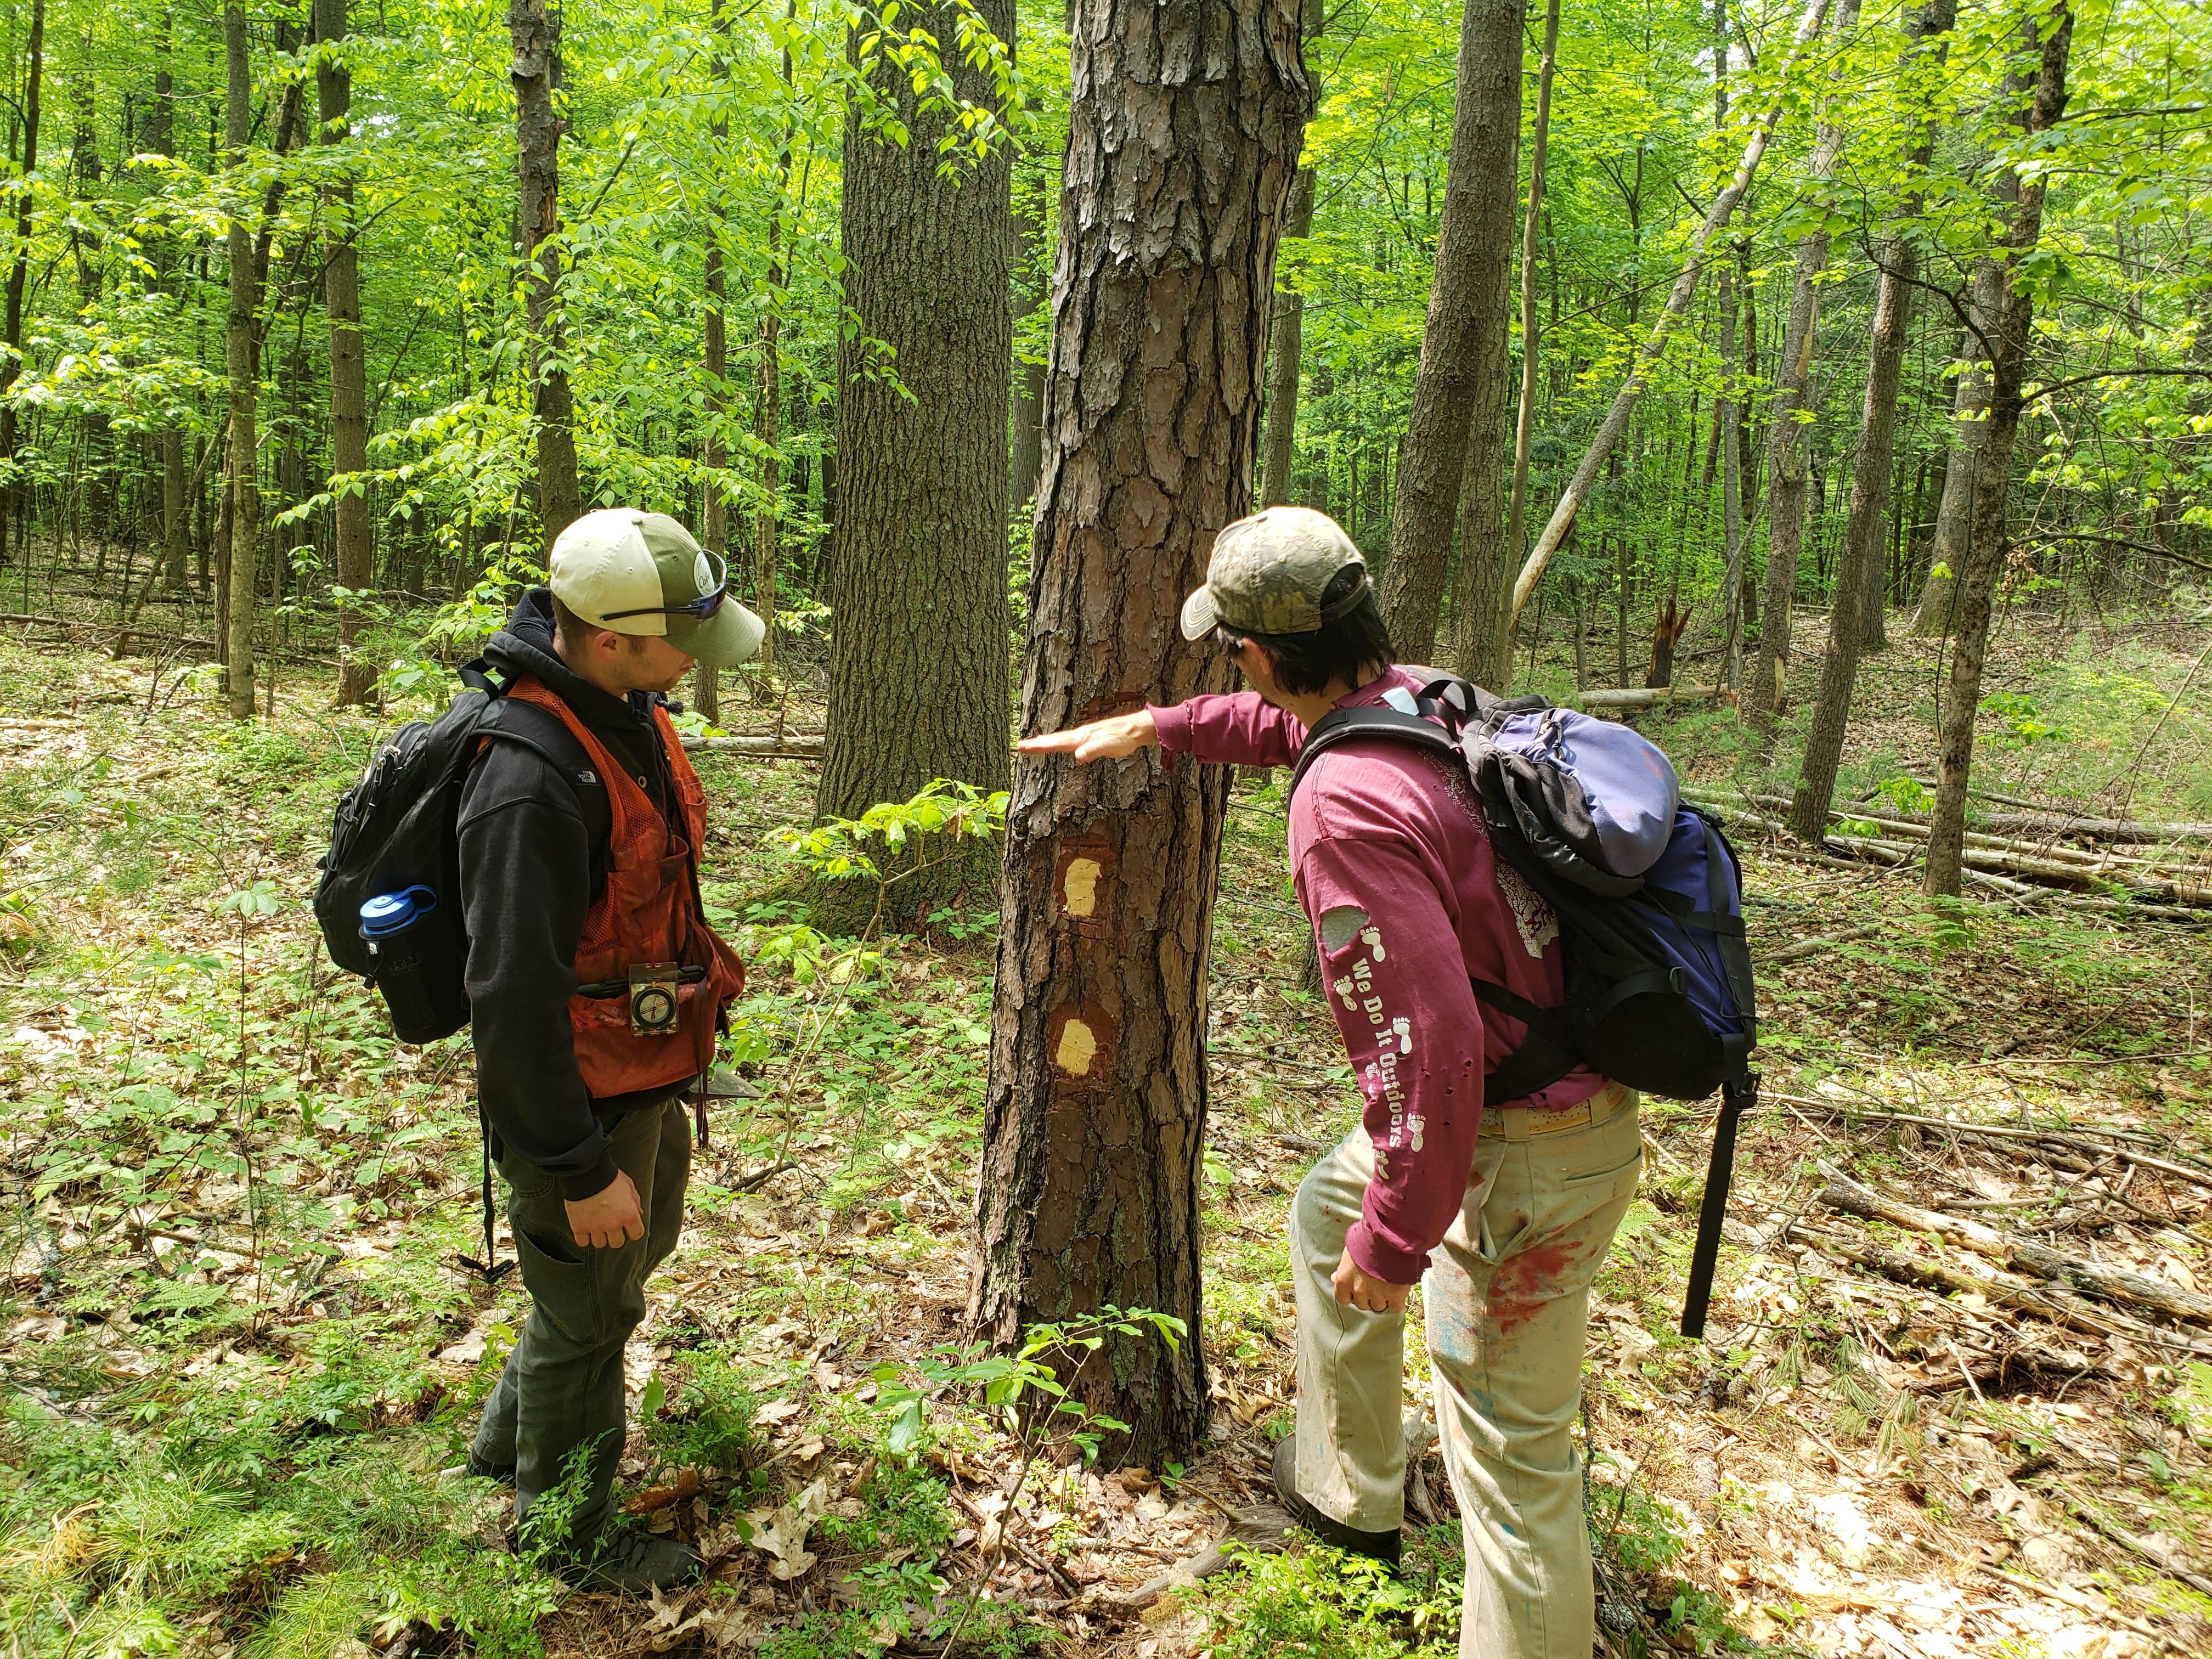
pixel 1507 1303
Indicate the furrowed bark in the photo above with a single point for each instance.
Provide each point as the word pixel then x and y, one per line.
pixel 1183 141
pixel 918 672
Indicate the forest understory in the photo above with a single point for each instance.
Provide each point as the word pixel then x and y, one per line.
pixel 242 1362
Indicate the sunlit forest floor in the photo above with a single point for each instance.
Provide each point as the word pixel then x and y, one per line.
pixel 241 1365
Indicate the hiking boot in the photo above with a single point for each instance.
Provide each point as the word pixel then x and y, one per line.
pixel 478 1469
pixel 635 1563
pixel 1381 1546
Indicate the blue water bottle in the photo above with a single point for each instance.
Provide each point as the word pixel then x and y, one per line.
pixel 391 925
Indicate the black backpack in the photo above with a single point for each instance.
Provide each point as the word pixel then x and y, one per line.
pixel 1649 897
pixel 396 832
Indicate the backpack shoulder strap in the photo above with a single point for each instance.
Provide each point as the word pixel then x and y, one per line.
pixel 1344 724
pixel 518 722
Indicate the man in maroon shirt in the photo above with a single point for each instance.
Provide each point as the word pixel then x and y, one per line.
pixel 1503 1210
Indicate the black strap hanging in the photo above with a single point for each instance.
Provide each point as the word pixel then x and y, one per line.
pixel 1738 1094
pixel 491 1269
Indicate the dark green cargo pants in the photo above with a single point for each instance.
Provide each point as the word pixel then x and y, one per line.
pixel 562 1386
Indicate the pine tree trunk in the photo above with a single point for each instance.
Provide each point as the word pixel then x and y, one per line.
pixel 918 659
pixel 1460 386
pixel 348 362
pixel 243 486
pixel 2009 328
pixel 534 29
pixel 1859 564
pixel 1285 348
pixel 1184 141
pixel 12 497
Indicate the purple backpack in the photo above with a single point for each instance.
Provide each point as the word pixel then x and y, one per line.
pixel 1648 895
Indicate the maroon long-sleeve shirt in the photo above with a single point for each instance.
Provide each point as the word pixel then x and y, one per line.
pixel 1396 872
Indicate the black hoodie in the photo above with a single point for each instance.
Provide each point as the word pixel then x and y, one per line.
pixel 534 862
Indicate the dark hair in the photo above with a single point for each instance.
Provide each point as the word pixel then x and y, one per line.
pixel 1354 648
pixel 576 634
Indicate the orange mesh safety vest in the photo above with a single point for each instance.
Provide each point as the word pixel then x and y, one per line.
pixel 648 913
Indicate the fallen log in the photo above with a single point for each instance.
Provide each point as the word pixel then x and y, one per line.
pixel 2045 1302
pixel 2022 1255
pixel 2006 1131
pixel 1646 696
pixel 790 748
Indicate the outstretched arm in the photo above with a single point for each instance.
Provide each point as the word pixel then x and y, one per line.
pixel 1238 729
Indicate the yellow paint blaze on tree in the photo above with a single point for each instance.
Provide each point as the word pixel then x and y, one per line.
pixel 1080 889
pixel 1078 1046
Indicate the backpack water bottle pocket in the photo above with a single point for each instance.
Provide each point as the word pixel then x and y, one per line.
pixel 416 959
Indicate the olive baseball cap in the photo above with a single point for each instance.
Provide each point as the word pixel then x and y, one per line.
pixel 1269 572
pixel 640 573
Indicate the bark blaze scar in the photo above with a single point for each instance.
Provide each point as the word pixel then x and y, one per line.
pixel 1079 1040
pixel 1080 887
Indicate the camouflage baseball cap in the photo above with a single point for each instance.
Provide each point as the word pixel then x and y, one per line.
pixel 1269 572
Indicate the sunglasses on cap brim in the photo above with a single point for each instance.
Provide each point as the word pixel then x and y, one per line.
pixel 700 609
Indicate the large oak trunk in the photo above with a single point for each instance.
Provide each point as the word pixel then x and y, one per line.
pixel 918 667
pixel 1183 141
pixel 1460 386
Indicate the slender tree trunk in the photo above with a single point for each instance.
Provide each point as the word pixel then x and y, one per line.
pixel 1954 513
pixel 1463 373
pixel 1654 347
pixel 534 28
pixel 2009 329
pixel 12 495
pixel 176 510
pixel 1483 609
pixel 1094 1117
pixel 348 362
pixel 1724 430
pixel 1927 30
pixel 244 486
pixel 1287 327
pixel 768 400
pixel 1768 693
pixel 918 593
pixel 713 451
pixel 1025 445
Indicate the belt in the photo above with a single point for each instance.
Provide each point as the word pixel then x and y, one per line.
pixel 1516 1123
